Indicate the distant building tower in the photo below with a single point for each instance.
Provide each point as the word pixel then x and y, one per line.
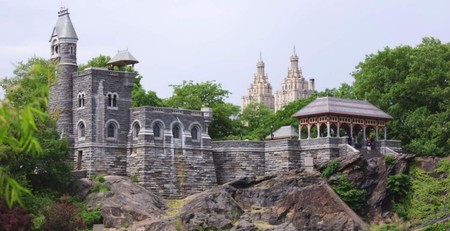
pixel 63 43
pixel 260 90
pixel 294 86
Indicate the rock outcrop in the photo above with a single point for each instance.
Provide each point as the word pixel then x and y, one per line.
pixel 372 174
pixel 295 200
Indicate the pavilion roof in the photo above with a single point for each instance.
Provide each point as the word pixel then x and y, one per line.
pixel 343 107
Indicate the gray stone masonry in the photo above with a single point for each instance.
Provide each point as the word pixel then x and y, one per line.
pixel 172 167
pixel 99 153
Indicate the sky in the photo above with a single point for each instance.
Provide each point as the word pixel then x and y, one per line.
pixel 205 40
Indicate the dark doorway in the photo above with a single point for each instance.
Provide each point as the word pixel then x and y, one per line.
pixel 79 158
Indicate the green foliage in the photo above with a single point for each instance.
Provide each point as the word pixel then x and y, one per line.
pixel 412 85
pixel 15 218
pixel 99 61
pixel 257 119
pixel 190 95
pixel 283 116
pixel 92 216
pixel 400 184
pixel 355 198
pixel 389 159
pixel 428 197
pixel 134 178
pixel 331 168
pixel 443 166
pixel 443 226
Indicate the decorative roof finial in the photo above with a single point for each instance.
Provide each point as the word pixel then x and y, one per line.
pixel 295 53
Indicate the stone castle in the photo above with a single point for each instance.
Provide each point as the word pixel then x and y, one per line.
pixel 168 150
pixel 293 87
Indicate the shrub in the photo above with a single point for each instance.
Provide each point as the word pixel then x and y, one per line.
pixel 134 178
pixel 331 168
pixel 15 218
pixel 101 187
pixel 91 217
pixel 63 216
pixel 389 159
pixel 400 184
pixel 355 198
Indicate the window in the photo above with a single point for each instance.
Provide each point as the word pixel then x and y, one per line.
pixel 157 130
pixel 112 100
pixel 194 133
pixel 81 130
pixel 81 96
pixel 111 133
pixel 136 128
pixel 176 131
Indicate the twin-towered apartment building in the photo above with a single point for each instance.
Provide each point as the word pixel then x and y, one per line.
pixel 293 87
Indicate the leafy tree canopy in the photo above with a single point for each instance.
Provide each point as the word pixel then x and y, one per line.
pixel 258 120
pixel 190 95
pixel 412 84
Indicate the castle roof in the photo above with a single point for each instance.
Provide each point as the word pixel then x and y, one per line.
pixel 345 107
pixel 123 58
pixel 64 27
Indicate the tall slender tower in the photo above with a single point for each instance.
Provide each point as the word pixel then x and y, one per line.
pixel 63 43
pixel 260 90
pixel 294 86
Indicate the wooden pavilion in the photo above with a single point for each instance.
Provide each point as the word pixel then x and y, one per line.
pixel 335 117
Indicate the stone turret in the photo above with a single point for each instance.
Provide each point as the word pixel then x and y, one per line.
pixel 260 90
pixel 63 44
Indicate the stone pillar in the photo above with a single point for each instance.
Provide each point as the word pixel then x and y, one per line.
pixel 328 129
pixel 385 133
pixel 351 132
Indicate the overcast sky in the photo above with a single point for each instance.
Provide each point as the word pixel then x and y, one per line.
pixel 221 40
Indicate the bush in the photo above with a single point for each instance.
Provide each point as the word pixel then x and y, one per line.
pixel 134 178
pixel 331 168
pixel 389 159
pixel 400 184
pixel 63 216
pixel 355 198
pixel 15 218
pixel 91 217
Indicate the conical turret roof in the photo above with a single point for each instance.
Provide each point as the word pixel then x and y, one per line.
pixel 64 27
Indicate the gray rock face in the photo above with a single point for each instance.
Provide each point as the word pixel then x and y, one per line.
pixel 371 175
pixel 126 203
pixel 296 200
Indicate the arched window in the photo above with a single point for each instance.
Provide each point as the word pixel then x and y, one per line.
pixel 194 133
pixel 79 100
pixel 176 131
pixel 82 100
pixel 81 130
pixel 112 100
pixel 157 130
pixel 111 130
pixel 136 128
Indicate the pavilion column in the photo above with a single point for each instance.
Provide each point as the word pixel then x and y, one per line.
pixel 351 132
pixel 364 133
pixel 318 130
pixel 376 133
pixel 328 129
pixel 299 132
pixel 385 133
pixel 338 127
pixel 309 131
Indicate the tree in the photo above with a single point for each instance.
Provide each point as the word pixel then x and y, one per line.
pixel 258 120
pixel 412 84
pixel 283 116
pixel 99 61
pixel 189 95
pixel 28 144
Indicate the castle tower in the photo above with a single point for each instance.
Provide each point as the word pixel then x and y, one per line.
pixel 63 43
pixel 294 86
pixel 260 90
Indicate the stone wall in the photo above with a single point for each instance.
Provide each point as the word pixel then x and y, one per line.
pixel 172 167
pixel 236 159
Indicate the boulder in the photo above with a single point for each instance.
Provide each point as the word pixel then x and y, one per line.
pixel 126 203
pixel 295 200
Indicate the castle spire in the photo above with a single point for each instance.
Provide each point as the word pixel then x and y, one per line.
pixel 260 65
